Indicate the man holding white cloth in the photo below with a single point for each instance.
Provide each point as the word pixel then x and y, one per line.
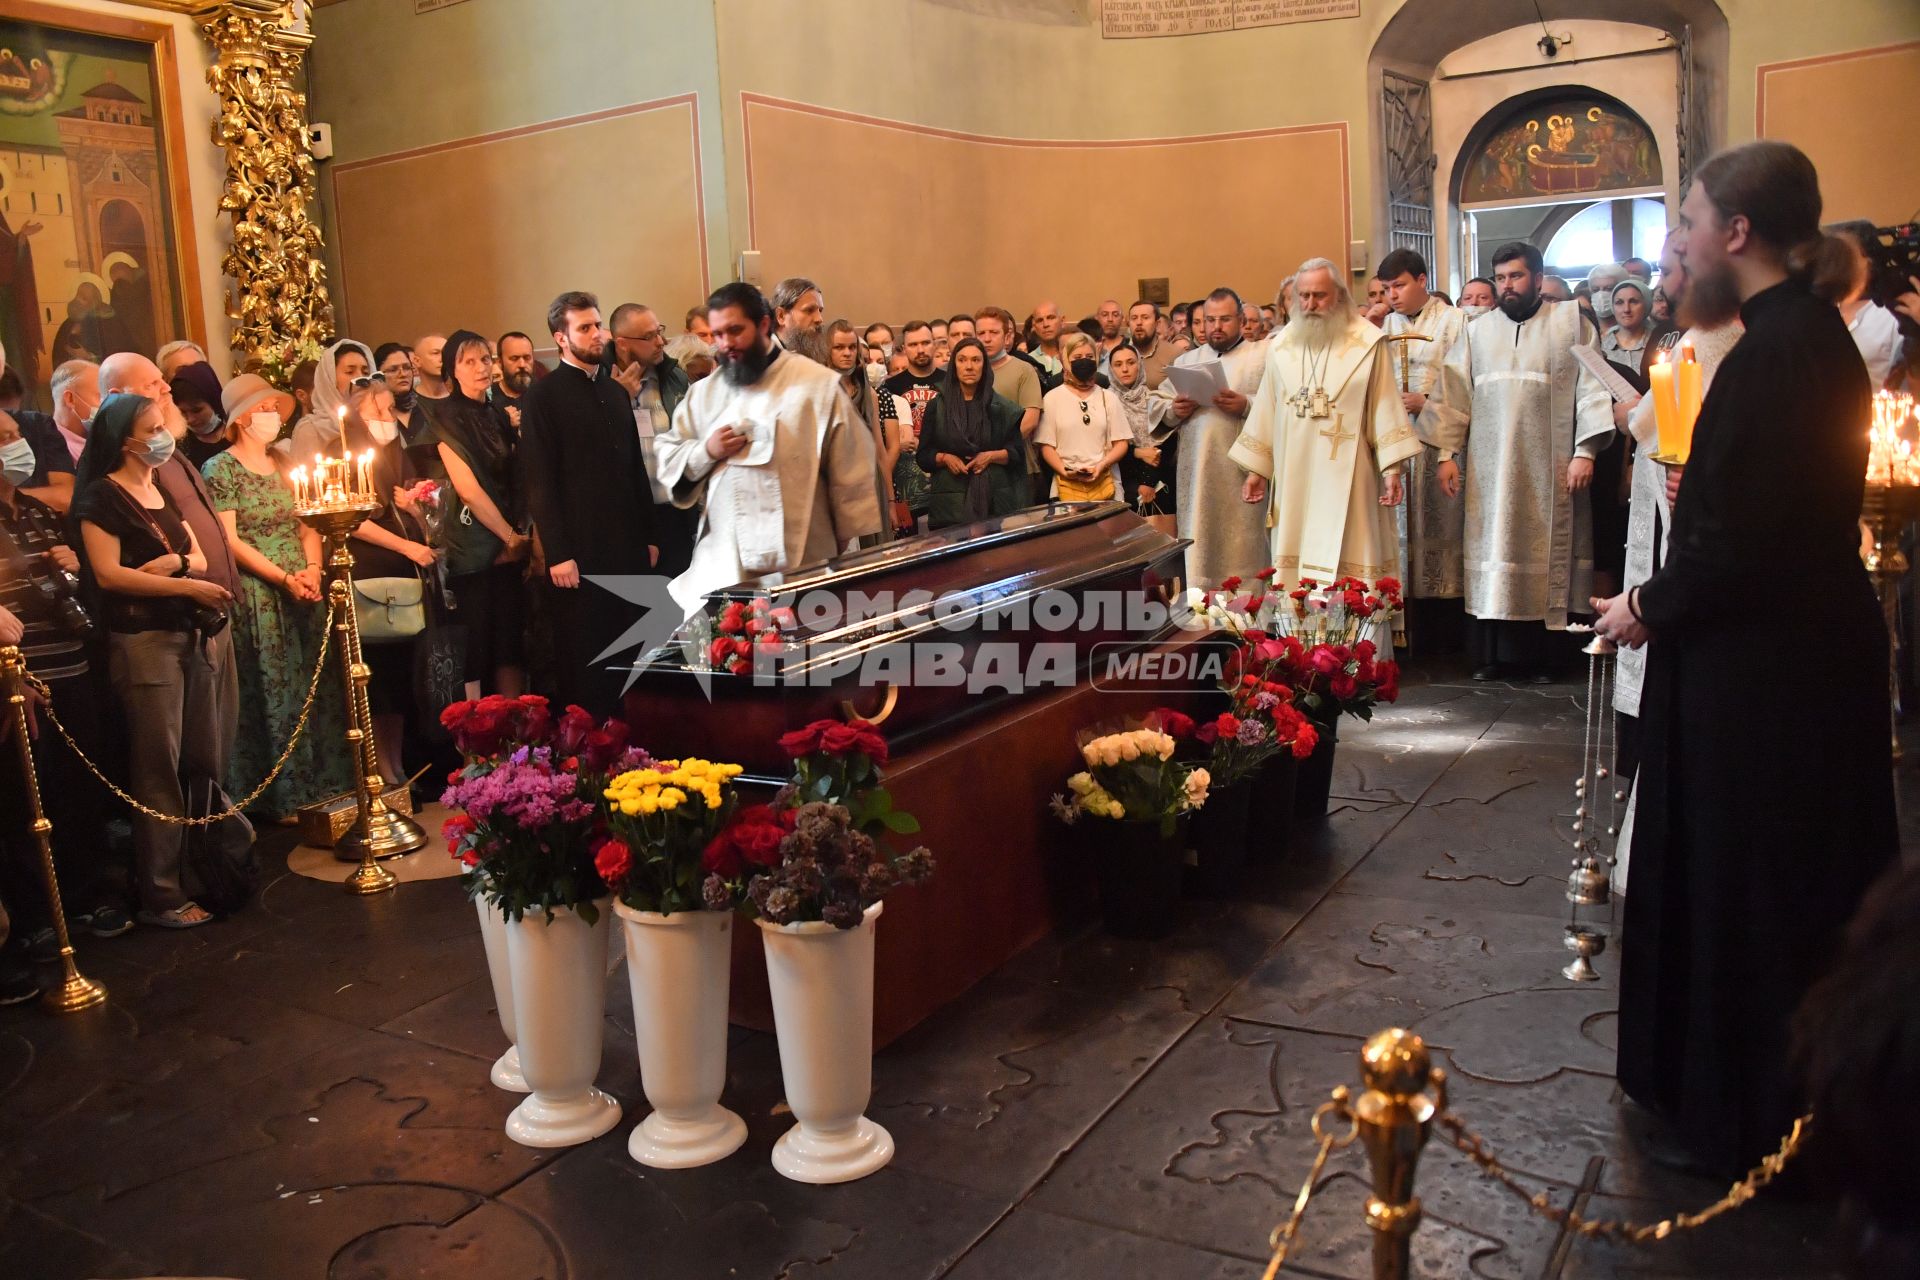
pixel 772 442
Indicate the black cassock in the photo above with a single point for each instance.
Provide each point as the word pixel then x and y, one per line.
pixel 588 493
pixel 1766 795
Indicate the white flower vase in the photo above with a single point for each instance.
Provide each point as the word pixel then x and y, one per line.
pixel 493 933
pixel 677 968
pixel 560 1003
pixel 821 979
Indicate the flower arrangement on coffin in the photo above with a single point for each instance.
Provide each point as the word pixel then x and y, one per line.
pixel 1132 776
pixel 741 628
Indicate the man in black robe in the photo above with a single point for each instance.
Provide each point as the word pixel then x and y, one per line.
pixel 588 493
pixel 1766 795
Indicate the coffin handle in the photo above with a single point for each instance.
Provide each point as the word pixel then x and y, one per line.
pixel 880 717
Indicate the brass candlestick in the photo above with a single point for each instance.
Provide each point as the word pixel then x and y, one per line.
pixel 74 992
pixel 1887 510
pixel 377 831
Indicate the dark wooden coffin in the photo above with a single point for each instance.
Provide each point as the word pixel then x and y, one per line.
pixel 919 634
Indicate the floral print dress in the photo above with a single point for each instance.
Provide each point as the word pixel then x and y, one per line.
pixel 276 641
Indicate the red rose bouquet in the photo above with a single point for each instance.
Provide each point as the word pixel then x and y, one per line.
pixel 663 821
pixel 493 726
pixel 742 628
pixel 841 764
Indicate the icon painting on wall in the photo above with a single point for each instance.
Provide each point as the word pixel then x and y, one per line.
pixel 1571 146
pixel 87 225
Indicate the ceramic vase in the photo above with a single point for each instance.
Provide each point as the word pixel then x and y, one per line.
pixel 678 967
pixel 559 972
pixel 493 934
pixel 821 979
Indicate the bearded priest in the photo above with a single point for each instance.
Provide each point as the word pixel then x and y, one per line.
pixel 1326 437
pixel 773 446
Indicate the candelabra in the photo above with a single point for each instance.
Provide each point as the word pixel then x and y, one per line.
pixel 1889 504
pixel 1590 883
pixel 334 501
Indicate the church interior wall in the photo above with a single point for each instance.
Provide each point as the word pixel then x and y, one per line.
pixel 935 153
pixel 1838 108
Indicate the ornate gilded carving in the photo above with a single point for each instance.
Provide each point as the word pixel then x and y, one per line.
pixel 278 295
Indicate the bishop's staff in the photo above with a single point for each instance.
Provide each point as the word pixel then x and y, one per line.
pixel 1406 365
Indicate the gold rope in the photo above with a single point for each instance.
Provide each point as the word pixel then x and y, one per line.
pixel 1475 1149
pixel 1283 1235
pixel 299 728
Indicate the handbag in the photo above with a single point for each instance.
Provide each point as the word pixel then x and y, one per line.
pixel 218 866
pixel 390 608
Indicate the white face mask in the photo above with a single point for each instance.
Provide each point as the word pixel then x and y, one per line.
pixel 264 426
pixel 876 373
pixel 383 431
pixel 17 462
pixel 1474 313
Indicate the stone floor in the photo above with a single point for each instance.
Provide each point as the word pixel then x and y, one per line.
pixel 302 1091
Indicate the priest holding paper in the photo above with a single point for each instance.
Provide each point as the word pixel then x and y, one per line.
pixel 1539 420
pixel 1207 394
pixel 774 445
pixel 1326 438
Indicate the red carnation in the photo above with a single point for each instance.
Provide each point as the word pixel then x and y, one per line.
pixel 1266 574
pixel 1387 586
pixel 1226 724
pixel 1364 649
pixel 1387 674
pixel 454 713
pixel 614 861
pixel 1305 740
pixel 1230 584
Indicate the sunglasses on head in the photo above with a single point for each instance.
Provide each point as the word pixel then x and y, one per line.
pixel 369 380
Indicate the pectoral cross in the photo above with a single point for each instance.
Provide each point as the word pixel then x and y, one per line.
pixel 1335 437
pixel 1314 403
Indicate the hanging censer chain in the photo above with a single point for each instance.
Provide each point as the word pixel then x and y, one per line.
pixel 1590 882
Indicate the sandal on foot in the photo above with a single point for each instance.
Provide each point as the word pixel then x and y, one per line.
pixel 188 915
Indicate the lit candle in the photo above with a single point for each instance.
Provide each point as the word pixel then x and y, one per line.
pixel 345 453
pixel 366 474
pixel 298 478
pixel 1665 410
pixel 1689 391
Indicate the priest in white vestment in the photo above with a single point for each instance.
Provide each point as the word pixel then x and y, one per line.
pixel 775 448
pixel 1538 422
pixel 1229 534
pixel 1436 387
pixel 1324 444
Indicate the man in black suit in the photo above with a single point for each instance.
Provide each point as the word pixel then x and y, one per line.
pixel 588 493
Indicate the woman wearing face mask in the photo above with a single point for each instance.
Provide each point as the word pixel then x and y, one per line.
pixel 970 445
pixel 341 366
pixel 392 543
pixel 136 551
pixel 485 548
pixel 277 617
pixel 1083 427
pixel 196 390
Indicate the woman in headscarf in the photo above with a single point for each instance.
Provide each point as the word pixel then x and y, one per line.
pixel 339 368
pixel 1635 333
pixel 484 545
pixel 1146 473
pixel 970 445
pixel 197 391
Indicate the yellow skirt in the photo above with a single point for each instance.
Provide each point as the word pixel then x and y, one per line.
pixel 1099 491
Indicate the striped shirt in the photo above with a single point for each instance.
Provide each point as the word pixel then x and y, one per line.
pixel 27 530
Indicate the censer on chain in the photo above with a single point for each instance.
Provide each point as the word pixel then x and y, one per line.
pixel 1596 789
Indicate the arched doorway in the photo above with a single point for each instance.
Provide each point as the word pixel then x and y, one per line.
pixel 126 255
pixel 1575 172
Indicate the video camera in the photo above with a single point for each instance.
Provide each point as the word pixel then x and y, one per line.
pixel 1893 262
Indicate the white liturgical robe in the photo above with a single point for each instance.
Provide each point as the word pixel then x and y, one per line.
pixel 797 495
pixel 1229 536
pixel 1323 454
pixel 1529 544
pixel 1438 369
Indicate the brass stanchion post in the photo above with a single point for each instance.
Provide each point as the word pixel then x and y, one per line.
pixel 377 831
pixel 74 992
pixel 1394 1116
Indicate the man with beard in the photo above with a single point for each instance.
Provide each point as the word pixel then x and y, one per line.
pixel 516 373
pixel 654 383
pixel 1756 835
pixel 1438 397
pixel 773 446
pixel 1229 532
pixel 1537 423
pixel 1143 334
pixel 903 401
pixel 588 494
pixel 799 308
pixel 1325 439
pixel 131 371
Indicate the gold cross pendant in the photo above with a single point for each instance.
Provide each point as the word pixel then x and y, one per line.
pixel 1302 403
pixel 1335 437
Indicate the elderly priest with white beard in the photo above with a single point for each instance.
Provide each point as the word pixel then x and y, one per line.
pixel 1326 438
pixel 774 446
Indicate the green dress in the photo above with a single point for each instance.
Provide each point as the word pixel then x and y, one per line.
pixel 276 641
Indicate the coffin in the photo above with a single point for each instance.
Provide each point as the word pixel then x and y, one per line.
pixel 920 634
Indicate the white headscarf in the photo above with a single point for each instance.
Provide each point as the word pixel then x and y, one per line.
pixel 326 394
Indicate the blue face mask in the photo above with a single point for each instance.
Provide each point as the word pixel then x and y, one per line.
pixel 157 449
pixel 17 462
